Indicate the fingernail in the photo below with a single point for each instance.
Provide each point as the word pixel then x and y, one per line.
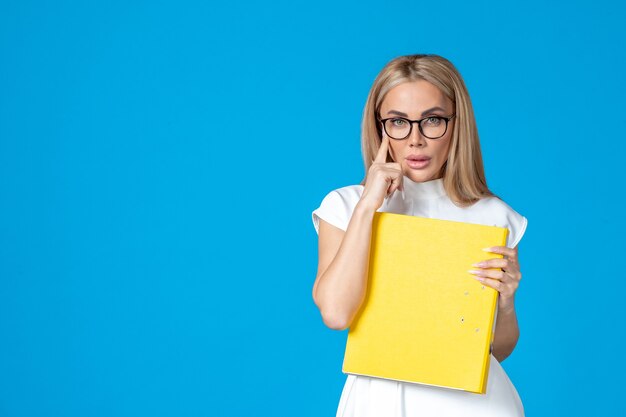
pixel 487 249
pixel 479 264
pixel 472 271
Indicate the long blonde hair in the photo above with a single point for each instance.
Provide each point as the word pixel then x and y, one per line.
pixel 463 172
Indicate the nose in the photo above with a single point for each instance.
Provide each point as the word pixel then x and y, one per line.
pixel 416 138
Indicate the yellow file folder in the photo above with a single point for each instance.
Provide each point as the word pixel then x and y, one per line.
pixel 425 319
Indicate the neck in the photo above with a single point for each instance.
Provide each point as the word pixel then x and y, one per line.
pixel 423 190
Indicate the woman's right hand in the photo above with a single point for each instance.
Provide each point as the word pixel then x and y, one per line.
pixel 383 178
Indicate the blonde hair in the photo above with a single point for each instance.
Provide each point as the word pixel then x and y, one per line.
pixel 463 172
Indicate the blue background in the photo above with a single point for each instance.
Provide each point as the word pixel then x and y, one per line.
pixel 159 162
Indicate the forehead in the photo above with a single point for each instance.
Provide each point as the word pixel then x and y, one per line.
pixel 413 97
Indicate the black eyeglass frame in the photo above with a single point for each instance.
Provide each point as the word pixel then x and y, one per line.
pixel 419 125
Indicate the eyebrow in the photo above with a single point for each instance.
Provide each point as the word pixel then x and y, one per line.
pixel 424 113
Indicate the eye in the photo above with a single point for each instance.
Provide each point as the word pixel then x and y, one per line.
pixel 433 120
pixel 398 122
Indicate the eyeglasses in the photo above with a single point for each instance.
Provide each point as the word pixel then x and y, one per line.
pixel 432 127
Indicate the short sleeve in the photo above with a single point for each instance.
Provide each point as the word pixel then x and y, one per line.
pixel 336 208
pixel 495 212
pixel 517 227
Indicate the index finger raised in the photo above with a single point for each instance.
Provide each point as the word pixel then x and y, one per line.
pixel 381 156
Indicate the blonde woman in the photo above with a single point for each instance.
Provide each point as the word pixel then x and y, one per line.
pixel 422 157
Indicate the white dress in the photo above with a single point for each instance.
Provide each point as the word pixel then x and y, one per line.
pixel 364 396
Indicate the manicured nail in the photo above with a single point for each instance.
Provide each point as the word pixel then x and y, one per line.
pixel 473 271
pixel 488 249
pixel 479 264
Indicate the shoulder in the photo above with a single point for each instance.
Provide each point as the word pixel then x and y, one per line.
pixel 337 206
pixel 503 215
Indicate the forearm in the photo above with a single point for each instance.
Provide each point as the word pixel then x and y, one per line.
pixel 341 288
pixel 506 333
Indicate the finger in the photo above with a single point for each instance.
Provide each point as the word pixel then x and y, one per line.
pixel 511 253
pixel 395 185
pixel 381 156
pixel 489 273
pixel 492 263
pixel 393 173
pixel 400 179
pixel 493 283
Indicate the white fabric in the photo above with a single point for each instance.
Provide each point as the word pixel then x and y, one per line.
pixel 364 396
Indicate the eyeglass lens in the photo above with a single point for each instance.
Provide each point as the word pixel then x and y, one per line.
pixel 399 128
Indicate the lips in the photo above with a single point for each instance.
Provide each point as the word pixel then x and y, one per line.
pixel 418 161
pixel 418 158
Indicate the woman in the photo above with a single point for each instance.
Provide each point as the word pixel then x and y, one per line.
pixel 422 157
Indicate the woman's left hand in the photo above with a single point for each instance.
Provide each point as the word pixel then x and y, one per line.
pixel 506 280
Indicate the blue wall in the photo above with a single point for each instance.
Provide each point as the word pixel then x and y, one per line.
pixel 159 162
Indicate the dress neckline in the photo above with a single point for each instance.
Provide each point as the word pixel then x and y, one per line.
pixel 423 190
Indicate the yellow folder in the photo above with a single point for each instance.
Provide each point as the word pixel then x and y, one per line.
pixel 425 319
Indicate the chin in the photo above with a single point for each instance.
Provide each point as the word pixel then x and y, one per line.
pixel 419 175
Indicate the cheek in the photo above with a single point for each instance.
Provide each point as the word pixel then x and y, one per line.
pixel 395 151
pixel 442 150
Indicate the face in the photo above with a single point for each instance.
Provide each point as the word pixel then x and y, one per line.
pixel 414 100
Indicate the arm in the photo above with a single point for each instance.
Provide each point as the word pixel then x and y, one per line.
pixel 505 281
pixel 341 281
pixel 506 333
pixel 342 272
